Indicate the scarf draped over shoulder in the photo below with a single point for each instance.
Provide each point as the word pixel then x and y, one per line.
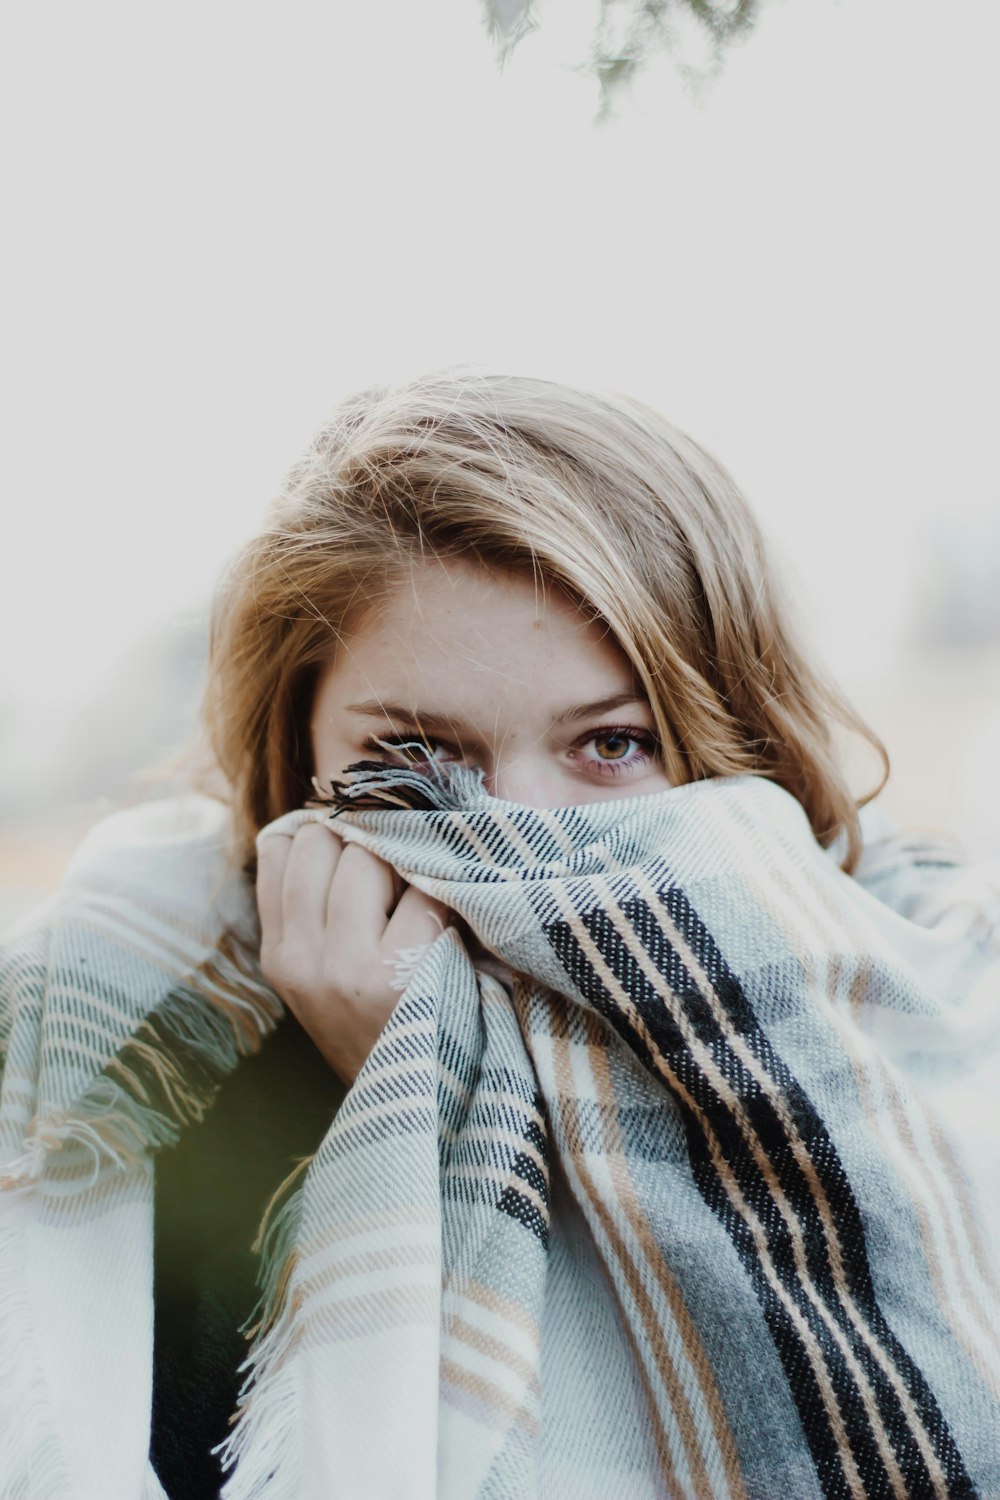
pixel 673 1174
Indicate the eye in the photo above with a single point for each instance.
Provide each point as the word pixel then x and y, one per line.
pixel 614 749
pixel 613 746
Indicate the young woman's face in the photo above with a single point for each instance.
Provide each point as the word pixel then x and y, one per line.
pixel 478 667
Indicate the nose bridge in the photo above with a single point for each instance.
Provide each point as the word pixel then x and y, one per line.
pixel 524 776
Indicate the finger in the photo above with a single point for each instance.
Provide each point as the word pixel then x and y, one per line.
pixel 362 896
pixel 315 853
pixel 272 857
pixel 418 919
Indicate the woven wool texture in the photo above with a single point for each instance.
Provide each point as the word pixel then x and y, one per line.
pixel 688 1189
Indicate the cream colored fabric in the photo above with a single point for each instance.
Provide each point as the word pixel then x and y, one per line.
pixel 702 1202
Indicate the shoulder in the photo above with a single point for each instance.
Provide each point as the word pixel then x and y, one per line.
pixel 927 876
pixel 175 857
pixel 170 823
pixel 159 879
pixel 181 843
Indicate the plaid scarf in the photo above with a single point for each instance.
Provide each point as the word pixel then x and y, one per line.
pixel 691 1190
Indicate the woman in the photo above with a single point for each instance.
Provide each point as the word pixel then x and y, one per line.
pixel 656 1173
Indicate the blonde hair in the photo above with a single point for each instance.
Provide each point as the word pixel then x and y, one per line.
pixel 598 494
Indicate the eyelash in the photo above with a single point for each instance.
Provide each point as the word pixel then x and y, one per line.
pixel 642 739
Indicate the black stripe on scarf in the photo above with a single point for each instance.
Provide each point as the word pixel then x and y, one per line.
pixel 499 1160
pixel 680 996
pixel 527 1169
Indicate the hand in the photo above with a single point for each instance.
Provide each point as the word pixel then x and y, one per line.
pixel 331 914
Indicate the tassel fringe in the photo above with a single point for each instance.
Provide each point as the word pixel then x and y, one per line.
pixel 166 1075
pixel 263 1446
pixel 438 786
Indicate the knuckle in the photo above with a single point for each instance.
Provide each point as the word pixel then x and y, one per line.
pixel 288 972
pixel 307 831
pixel 313 833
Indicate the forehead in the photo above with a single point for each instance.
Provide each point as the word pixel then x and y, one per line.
pixel 439 590
pixel 456 638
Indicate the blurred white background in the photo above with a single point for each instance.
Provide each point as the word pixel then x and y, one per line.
pixel 222 218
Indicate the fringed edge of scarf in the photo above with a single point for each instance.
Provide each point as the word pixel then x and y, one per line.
pixel 166 1075
pixel 427 786
pixel 263 1446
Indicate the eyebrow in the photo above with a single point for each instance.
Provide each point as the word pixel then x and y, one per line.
pixel 374 709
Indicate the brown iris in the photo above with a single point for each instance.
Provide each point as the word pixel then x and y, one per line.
pixel 612 746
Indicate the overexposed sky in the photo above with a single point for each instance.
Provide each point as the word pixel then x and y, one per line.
pixel 223 217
